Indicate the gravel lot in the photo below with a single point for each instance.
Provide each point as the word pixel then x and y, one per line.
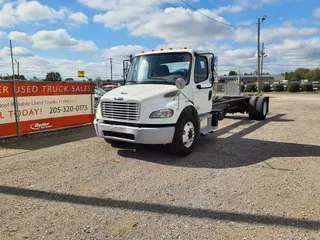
pixel 248 180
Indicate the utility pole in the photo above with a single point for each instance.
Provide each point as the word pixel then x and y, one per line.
pixel 12 63
pixel 263 56
pixel 111 61
pixel 15 105
pixel 259 23
pixel 18 69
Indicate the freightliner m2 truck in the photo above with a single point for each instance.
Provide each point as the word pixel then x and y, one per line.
pixel 168 98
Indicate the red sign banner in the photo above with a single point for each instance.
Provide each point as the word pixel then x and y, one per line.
pixel 44 106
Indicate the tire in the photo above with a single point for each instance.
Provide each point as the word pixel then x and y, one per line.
pixel 261 108
pixel 185 135
pixel 224 114
pixel 252 108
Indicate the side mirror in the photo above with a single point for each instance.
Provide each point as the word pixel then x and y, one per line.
pixel 180 83
pixel 212 66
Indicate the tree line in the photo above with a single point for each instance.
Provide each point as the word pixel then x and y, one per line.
pixel 303 73
pixel 255 72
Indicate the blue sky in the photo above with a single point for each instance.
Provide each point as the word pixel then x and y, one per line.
pixel 72 35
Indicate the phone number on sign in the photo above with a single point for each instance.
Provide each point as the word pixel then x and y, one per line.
pixel 65 109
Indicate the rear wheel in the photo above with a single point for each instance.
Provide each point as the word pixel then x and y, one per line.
pixel 258 108
pixel 252 108
pixel 185 135
pixel 261 108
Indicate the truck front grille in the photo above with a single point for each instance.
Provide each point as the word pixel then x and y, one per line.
pixel 120 110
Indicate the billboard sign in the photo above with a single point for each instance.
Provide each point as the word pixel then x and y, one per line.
pixel 44 106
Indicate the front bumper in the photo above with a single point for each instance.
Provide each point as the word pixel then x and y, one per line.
pixel 150 135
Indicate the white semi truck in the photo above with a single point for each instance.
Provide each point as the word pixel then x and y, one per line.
pixel 168 98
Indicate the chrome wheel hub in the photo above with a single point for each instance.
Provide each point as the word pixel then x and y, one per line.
pixel 188 134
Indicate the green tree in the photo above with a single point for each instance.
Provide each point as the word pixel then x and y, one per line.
pixel 286 75
pixel 304 73
pixel 233 73
pixel 53 77
pixel 294 76
pixel 315 74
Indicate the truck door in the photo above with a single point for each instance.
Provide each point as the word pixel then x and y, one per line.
pixel 202 86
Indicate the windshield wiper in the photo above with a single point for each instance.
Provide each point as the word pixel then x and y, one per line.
pixel 158 82
pixel 135 82
pixel 162 78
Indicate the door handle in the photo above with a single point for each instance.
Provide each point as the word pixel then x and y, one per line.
pixel 200 87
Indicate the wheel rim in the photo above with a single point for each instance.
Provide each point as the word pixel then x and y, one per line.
pixel 188 134
pixel 265 108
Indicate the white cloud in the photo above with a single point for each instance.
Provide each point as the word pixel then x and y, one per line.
pixel 7 17
pixel 269 34
pixel 240 53
pixel 82 46
pixel 33 10
pixel 122 51
pixel 121 4
pixel 40 66
pixel 316 13
pixel 295 52
pixel 2 34
pixel 289 47
pixel 78 18
pixel 179 24
pixel 18 36
pixel 289 32
pixel 60 38
pixel 151 20
pixel 17 51
pixel 22 11
pixel 229 9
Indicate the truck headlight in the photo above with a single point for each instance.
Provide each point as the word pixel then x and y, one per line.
pixel 163 113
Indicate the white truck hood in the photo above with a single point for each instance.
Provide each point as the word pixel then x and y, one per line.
pixel 138 92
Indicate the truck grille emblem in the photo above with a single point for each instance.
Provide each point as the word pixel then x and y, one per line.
pixel 118 98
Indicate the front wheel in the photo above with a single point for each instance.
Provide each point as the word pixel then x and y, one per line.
pixel 185 136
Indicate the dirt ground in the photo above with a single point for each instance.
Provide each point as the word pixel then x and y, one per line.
pixel 248 180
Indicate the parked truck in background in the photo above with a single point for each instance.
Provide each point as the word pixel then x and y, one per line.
pixel 169 98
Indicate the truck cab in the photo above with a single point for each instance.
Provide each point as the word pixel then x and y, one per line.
pixel 166 99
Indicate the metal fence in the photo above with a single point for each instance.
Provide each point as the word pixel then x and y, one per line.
pixel 28 107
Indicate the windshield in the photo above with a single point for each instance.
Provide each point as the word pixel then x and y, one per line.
pixel 163 68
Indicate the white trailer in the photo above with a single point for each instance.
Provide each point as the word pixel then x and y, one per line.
pixel 168 98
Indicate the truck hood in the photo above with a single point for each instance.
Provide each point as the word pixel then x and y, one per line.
pixel 138 92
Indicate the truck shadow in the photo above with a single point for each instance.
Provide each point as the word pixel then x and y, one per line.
pixel 226 148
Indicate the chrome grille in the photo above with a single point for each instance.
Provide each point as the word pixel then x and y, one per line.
pixel 120 110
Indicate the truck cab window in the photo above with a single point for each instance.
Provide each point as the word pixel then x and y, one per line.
pixel 201 69
pixel 162 68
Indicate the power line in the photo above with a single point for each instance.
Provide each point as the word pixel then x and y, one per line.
pixel 213 19
pixel 294 65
